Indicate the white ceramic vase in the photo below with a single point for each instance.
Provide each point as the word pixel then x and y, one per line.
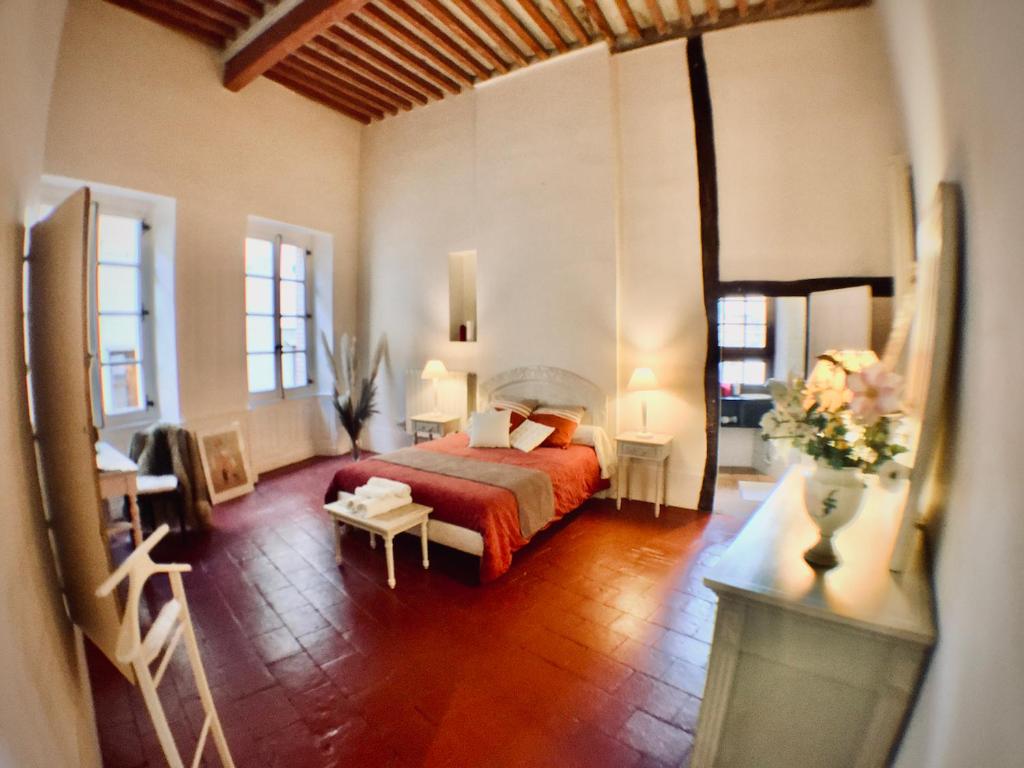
pixel 833 498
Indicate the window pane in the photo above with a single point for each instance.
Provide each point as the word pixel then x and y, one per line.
pixel 120 339
pixel 757 309
pixel 754 372
pixel 122 388
pixel 293 369
pixel 731 372
pixel 259 334
pixel 293 298
pixel 293 262
pixel 755 336
pixel 259 257
pixel 733 310
pixel 259 295
pixel 730 335
pixel 293 334
pixel 118 289
pixel 262 377
pixel 119 238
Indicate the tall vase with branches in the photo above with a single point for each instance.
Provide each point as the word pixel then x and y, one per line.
pixel 354 404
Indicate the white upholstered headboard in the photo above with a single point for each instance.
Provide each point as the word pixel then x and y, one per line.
pixel 552 386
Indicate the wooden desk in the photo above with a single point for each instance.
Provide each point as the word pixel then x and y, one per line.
pixel 812 667
pixel 118 479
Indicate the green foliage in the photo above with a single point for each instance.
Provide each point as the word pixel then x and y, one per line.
pixel 829 435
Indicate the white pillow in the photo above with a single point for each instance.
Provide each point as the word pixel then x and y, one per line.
pixel 588 434
pixel 529 435
pixel 489 429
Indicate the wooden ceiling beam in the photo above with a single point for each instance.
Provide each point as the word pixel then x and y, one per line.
pixel 386 60
pixel 685 13
pixel 629 18
pixel 275 36
pixel 339 94
pixel 216 12
pixel 457 26
pixel 326 64
pixel 742 7
pixel 332 50
pixel 657 16
pixel 600 20
pixel 428 29
pixel 418 65
pixel 319 78
pixel 544 24
pixel 712 10
pixel 391 26
pixel 730 17
pixel 520 31
pixel 251 8
pixel 582 38
pixel 304 89
pixel 495 32
pixel 180 18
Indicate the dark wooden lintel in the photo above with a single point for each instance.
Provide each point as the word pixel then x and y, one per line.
pixel 880 286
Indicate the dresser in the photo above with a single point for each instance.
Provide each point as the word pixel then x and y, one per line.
pixel 812 668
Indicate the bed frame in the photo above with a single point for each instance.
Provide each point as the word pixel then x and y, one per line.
pixel 555 386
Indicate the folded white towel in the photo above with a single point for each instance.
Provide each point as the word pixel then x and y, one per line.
pixel 377 492
pixel 374 507
pixel 402 489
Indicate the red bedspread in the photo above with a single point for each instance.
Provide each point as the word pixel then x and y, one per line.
pixel 486 509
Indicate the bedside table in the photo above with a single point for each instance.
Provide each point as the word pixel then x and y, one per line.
pixel 432 425
pixel 633 446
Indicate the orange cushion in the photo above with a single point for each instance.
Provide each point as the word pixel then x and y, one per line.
pixel 521 409
pixel 564 418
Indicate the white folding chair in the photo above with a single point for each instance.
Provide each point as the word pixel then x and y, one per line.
pixel 172 623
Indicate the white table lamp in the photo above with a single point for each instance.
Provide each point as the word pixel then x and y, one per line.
pixel 643 380
pixel 434 370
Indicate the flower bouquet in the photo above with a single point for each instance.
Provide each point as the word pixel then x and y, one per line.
pixel 846 417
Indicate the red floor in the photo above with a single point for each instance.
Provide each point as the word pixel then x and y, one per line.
pixel 591 651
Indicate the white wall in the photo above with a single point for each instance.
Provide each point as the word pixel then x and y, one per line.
pixel 662 324
pixel 959 71
pixel 44 710
pixel 574 182
pixel 805 124
pixel 142 107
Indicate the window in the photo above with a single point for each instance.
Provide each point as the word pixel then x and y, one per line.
pixel 745 340
pixel 121 327
pixel 277 319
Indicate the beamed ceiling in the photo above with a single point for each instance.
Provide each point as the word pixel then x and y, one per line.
pixel 372 58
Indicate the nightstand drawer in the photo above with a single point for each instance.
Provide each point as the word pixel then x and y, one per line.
pixel 642 451
pixel 428 428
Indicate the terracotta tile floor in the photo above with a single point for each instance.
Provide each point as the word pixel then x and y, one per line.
pixel 591 651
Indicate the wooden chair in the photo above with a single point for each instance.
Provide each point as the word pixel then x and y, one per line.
pixel 172 624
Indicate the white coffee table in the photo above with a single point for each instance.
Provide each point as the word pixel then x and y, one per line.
pixel 387 526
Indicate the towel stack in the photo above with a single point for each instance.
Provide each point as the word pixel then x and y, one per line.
pixel 378 496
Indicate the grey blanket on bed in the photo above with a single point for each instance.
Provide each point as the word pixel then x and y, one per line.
pixel 531 487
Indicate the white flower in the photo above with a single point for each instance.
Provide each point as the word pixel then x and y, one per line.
pixel 875 392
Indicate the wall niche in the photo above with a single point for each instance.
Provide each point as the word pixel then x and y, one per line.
pixel 462 296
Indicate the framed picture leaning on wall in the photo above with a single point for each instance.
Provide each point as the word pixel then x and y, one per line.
pixel 225 462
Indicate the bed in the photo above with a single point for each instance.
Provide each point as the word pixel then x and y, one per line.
pixel 484 519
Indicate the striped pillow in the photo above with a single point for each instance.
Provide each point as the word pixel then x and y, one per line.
pixel 521 409
pixel 564 418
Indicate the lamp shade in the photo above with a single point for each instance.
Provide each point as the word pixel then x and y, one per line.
pixel 643 379
pixel 434 369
